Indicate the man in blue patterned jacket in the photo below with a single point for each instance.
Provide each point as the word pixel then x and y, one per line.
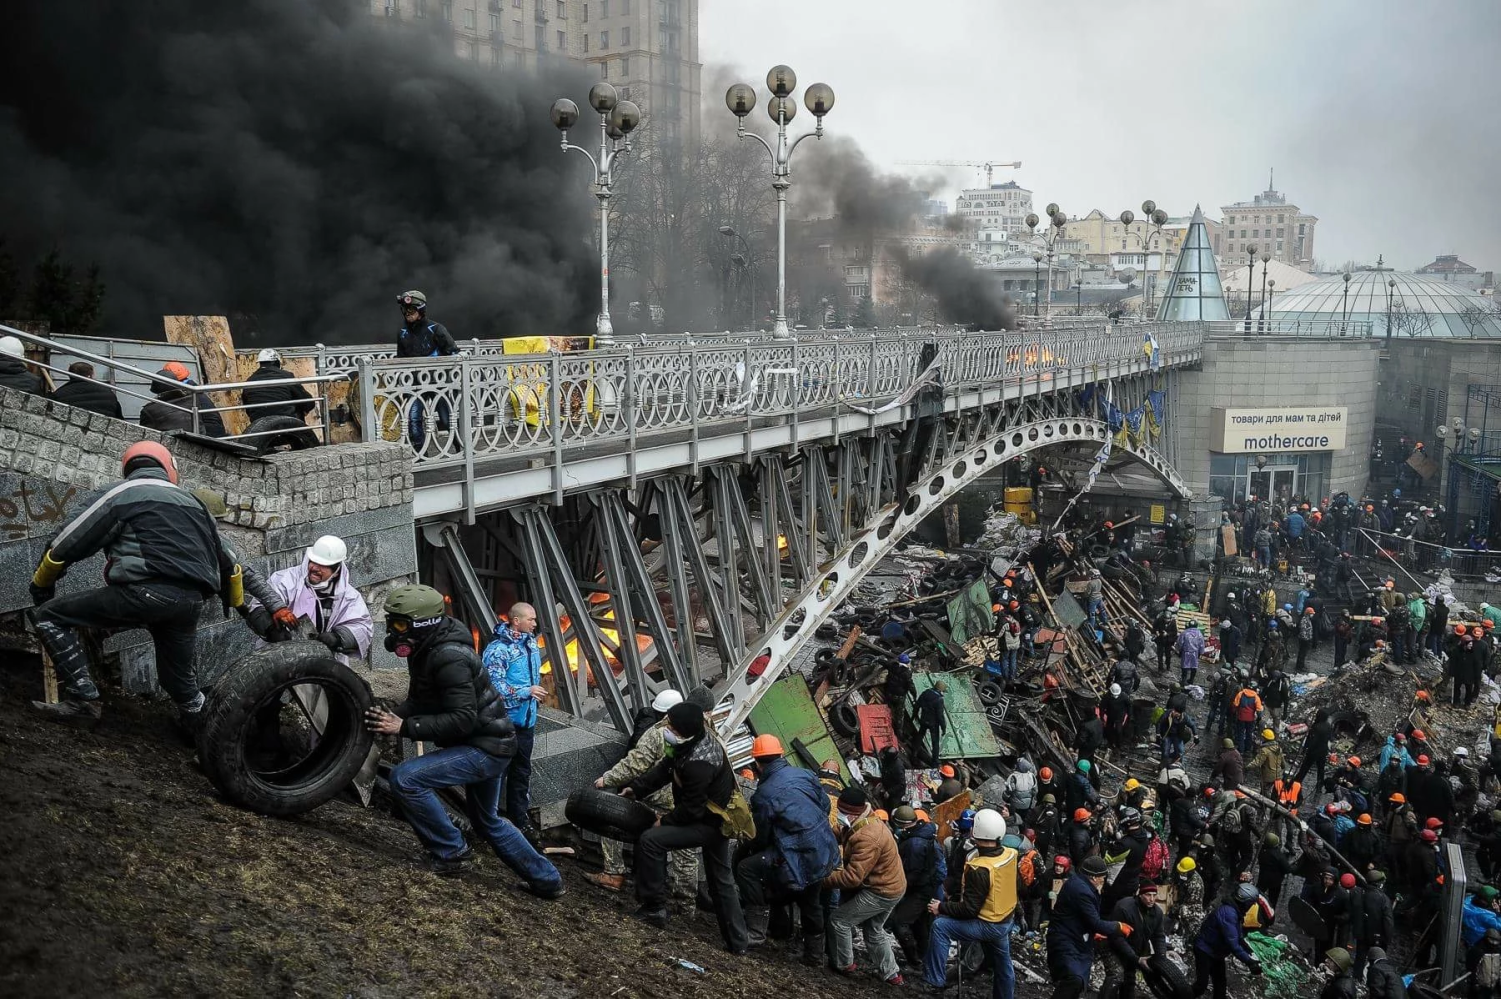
pixel 515 666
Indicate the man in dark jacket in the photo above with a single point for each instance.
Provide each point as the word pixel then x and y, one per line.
pixel 702 782
pixel 794 850
pixel 173 409
pixel 1129 954
pixel 419 337
pixel 274 393
pixel 1231 640
pixel 1273 865
pixel 452 704
pixel 164 557
pixel 932 719
pixel 1071 929
pixel 1382 979
pixel 898 688
pixel 1341 984
pixel 81 393
pixel 1316 752
pixel 1230 769
pixel 1220 937
pixel 1130 850
pixel 925 867
pixel 1372 923
pixel 14 374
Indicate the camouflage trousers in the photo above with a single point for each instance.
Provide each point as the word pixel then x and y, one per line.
pixel 682 865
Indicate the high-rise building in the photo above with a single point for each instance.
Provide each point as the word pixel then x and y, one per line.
pixel 647 48
pixel 1277 229
pixel 999 206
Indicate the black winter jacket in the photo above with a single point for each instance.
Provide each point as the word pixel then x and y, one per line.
pixel 1371 919
pixel 274 396
pixel 450 700
pixel 1384 981
pixel 425 339
pixel 154 532
pixel 173 411
pixel 15 375
pixel 83 394
pixel 699 772
pixel 1148 930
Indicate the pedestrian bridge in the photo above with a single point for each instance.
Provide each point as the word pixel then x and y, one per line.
pixel 682 508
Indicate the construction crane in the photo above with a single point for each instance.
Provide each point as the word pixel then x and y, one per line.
pixel 989 167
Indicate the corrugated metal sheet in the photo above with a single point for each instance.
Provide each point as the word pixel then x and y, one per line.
pixel 147 355
pixel 787 711
pixel 969 735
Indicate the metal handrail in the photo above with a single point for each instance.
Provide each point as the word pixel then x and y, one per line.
pixel 193 391
pixel 454 411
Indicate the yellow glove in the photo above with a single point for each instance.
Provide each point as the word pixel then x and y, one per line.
pixel 237 588
pixel 48 571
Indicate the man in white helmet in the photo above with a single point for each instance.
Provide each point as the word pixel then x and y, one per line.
pixel 321 591
pixel 981 910
pixel 14 374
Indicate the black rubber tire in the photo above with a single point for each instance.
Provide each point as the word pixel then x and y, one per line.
pixel 229 718
pixel 827 632
pixel 1167 980
pixel 844 720
pixel 990 693
pixel 824 657
pixel 607 814
pixel 295 434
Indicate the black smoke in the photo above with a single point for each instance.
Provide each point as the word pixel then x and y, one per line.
pixel 866 203
pixel 965 293
pixel 294 164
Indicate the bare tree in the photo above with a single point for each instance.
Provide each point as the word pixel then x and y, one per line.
pixel 1474 317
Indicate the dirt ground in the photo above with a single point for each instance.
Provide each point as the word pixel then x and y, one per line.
pixel 124 875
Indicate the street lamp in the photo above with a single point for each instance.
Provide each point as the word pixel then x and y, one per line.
pixel 819 100
pixel 1036 282
pixel 1391 289
pixel 1250 280
pixel 1271 293
pixel 1156 218
pixel 747 262
pixel 1078 298
pixel 1344 305
pixel 1266 258
pixel 1056 221
pixel 617 120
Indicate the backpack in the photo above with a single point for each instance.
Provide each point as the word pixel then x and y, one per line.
pixel 1023 788
pixel 1246 710
pixel 1029 868
pixel 1154 861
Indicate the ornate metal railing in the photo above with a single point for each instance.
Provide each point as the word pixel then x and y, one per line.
pixel 458 410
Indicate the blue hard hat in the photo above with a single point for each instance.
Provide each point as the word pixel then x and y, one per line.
pixel 1272 625
pixel 966 819
pixel 1287 607
pixel 1397 493
pixel 904 658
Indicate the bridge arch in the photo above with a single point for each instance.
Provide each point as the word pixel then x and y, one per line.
pixel 836 579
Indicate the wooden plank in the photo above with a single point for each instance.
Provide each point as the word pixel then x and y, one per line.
pixel 849 643
pixel 210 338
pixel 787 711
pixel 946 813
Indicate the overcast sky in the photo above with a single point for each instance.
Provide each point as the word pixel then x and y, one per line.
pixel 1381 117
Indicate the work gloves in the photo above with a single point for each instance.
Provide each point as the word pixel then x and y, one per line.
pixel 329 639
pixel 285 618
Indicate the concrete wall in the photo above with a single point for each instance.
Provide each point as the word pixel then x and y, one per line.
pixel 53 457
pixel 1272 372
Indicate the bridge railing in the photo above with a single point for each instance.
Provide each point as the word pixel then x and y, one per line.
pixel 457 410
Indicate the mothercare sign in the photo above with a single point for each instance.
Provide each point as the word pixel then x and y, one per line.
pixel 1313 428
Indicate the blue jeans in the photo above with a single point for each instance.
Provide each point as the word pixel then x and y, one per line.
pixel 994 938
pixel 413 782
pixel 519 781
pixel 1010 662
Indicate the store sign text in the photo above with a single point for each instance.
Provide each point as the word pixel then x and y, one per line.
pixel 1247 431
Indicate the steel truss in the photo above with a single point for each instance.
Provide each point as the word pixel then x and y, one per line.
pixel 736 565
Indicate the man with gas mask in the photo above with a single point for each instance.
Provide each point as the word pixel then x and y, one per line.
pixel 452 705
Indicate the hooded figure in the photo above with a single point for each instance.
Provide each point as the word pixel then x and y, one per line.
pixel 320 590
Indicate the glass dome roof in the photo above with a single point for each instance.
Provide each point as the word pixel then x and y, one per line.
pixel 1420 306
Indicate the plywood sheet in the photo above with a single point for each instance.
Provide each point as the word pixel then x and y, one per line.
pixel 969 735
pixel 787 711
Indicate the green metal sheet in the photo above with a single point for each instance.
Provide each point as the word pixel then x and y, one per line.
pixel 969 613
pixel 969 735
pixel 787 711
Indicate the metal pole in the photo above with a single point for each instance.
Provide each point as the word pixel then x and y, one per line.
pixel 779 329
pixel 1049 288
pixel 604 330
pixel 1036 287
pixel 1250 277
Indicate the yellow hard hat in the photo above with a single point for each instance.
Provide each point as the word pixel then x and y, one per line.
pixel 1186 864
pixel 1268 734
pixel 1132 784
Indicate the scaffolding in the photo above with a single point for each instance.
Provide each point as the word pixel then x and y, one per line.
pixel 1473 475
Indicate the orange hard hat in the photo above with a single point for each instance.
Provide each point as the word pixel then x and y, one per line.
pixel 922 816
pixel 1399 798
pixel 1081 815
pixel 176 369
pixel 1369 508
pixel 748 773
pixel 1364 819
pixel 1487 624
pixel 947 770
pixel 1334 758
pixel 1013 605
pixel 766 745
pixel 1417 733
pixel 995 608
pixel 1354 761
pixel 1422 695
pixel 881 814
pixel 1006 583
pixel 153 451
pixel 1308 610
pixel 1423 760
pixel 1046 773
pixel 1109 525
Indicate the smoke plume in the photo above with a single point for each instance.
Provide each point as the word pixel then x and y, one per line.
pixel 293 165
pixel 840 180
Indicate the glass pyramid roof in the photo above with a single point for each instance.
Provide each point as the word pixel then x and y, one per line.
pixel 1194 291
pixel 1420 306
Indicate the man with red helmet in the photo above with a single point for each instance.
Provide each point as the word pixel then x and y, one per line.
pixel 164 558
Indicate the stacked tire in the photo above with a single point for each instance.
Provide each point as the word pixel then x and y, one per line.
pixel 251 686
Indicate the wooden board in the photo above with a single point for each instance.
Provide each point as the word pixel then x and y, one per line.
pixel 787 711
pixel 1227 540
pixel 947 812
pixel 876 732
pixel 969 734
pixel 209 336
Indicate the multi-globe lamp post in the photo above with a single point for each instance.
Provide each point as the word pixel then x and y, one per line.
pixel 1250 280
pixel 1156 218
pixel 782 108
pixel 617 119
pixel 1056 221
